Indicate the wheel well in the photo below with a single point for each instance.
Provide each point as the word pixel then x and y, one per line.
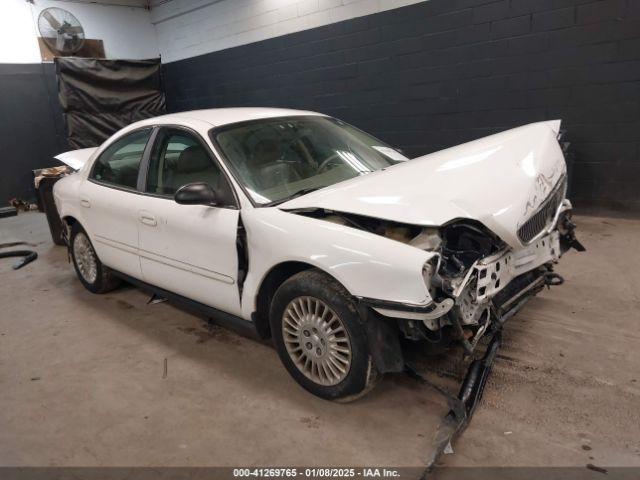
pixel 68 222
pixel 382 333
pixel 272 281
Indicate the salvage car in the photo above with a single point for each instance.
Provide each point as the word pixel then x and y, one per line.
pixel 309 231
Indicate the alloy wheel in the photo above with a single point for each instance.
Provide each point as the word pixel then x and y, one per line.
pixel 316 340
pixel 85 258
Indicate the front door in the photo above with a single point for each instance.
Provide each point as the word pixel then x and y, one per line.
pixel 188 249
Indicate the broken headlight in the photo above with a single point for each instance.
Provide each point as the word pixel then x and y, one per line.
pixel 465 242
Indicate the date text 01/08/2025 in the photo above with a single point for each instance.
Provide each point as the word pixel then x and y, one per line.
pixel 315 472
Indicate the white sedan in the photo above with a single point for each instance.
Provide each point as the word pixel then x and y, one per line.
pixel 305 229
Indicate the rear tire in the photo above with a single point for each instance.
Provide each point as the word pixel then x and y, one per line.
pixel 95 277
pixel 320 338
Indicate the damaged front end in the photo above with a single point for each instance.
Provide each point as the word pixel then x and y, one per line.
pixel 475 280
pixel 483 253
pixel 486 281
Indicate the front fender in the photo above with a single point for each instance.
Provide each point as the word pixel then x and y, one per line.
pixel 367 265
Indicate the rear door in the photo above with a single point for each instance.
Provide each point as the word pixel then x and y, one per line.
pixel 109 202
pixel 188 249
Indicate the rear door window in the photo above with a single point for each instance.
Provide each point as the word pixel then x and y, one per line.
pixel 119 164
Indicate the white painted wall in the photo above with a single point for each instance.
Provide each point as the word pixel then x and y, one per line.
pixel 18 42
pixel 186 28
pixel 127 32
pixel 177 29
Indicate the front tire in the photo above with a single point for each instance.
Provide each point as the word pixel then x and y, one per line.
pixel 95 277
pixel 320 337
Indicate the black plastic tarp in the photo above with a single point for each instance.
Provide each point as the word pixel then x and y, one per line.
pixel 99 97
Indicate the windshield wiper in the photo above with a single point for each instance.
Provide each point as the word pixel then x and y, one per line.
pixel 297 194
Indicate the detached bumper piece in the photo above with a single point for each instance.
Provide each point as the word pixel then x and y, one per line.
pixel 464 404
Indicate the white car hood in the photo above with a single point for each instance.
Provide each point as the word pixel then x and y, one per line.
pixel 498 180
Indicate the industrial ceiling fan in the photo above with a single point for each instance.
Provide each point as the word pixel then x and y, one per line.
pixel 61 31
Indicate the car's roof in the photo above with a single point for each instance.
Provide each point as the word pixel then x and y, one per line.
pixel 223 116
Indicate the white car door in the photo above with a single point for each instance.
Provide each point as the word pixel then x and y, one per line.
pixel 188 249
pixel 108 199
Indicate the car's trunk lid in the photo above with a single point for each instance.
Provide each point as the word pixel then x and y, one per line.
pixel 76 158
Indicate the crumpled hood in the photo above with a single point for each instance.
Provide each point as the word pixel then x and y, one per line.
pixel 498 180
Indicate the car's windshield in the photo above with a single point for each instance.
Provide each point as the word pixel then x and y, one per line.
pixel 279 158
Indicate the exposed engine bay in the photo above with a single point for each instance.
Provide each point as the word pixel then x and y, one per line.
pixel 476 280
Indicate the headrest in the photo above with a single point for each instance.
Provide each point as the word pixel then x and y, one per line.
pixel 193 159
pixel 267 151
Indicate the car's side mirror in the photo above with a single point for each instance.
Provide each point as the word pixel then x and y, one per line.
pixel 199 193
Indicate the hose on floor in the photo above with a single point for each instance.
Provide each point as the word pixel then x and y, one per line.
pixel 28 255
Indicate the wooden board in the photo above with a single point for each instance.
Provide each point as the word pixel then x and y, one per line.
pixel 92 48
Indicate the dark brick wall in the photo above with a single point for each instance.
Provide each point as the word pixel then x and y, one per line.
pixel 31 126
pixel 442 72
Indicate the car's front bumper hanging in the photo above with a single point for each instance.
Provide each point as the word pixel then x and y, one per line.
pixel 464 404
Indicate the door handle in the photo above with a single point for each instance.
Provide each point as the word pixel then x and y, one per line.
pixel 85 203
pixel 148 219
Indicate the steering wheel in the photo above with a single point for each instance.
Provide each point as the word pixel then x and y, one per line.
pixel 326 162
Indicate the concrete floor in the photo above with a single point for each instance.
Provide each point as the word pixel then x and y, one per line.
pixel 82 378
